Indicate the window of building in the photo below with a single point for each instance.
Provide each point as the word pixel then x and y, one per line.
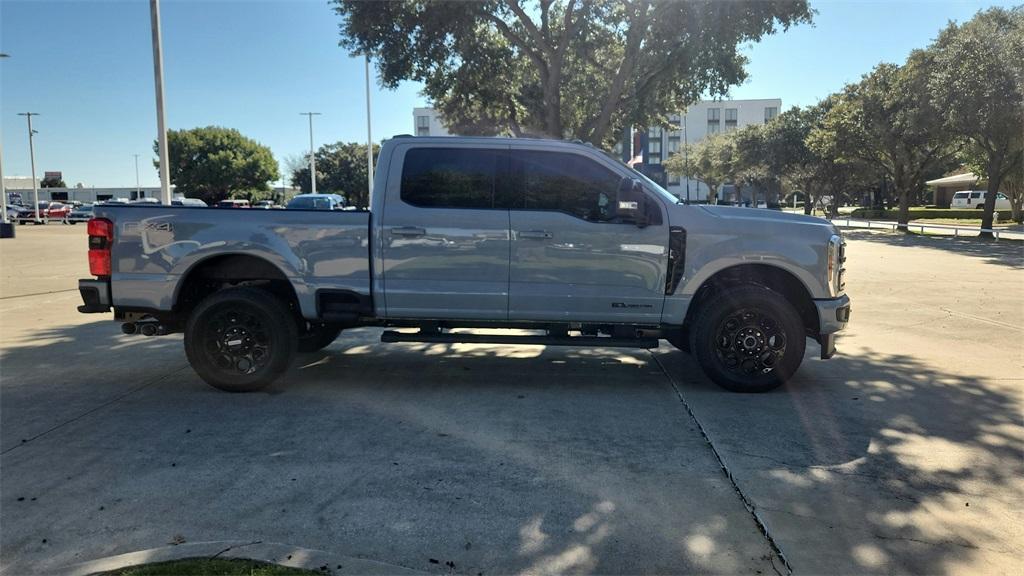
pixel 714 120
pixel 654 159
pixel 673 179
pixel 423 125
pixel 730 119
pixel 654 146
pixel 566 183
pixel 673 144
pixel 770 112
pixel 449 177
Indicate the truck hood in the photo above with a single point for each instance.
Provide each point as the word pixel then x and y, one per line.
pixel 767 216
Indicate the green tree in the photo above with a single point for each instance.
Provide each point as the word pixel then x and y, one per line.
pixel 566 68
pixel 977 87
pixel 213 163
pixel 52 183
pixel 887 121
pixel 709 160
pixel 340 169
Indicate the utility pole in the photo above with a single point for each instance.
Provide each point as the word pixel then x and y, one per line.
pixel 32 156
pixel 3 189
pixel 369 138
pixel 161 126
pixel 686 157
pixel 312 157
pixel 138 189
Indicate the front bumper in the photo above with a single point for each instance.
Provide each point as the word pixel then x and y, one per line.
pixel 95 296
pixel 833 315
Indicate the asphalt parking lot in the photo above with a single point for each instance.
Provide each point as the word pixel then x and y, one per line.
pixel 904 454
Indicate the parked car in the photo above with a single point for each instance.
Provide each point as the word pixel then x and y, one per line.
pixel 233 203
pixel 552 236
pixel 145 201
pixel 317 202
pixel 48 211
pixel 21 214
pixel 194 202
pixel 976 199
pixel 114 201
pixel 80 214
pixel 267 205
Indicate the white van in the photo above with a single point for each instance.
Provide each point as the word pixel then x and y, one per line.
pixel 976 199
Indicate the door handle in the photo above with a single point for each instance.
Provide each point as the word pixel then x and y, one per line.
pixel 408 231
pixel 538 234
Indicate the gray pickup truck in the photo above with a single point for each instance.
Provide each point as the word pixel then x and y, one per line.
pixel 553 239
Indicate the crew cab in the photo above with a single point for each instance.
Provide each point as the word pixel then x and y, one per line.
pixel 554 238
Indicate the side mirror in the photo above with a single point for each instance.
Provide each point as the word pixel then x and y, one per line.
pixel 631 202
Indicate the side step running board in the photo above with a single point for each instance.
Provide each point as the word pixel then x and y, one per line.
pixel 451 338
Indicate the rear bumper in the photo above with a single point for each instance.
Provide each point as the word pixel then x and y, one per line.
pixel 833 315
pixel 95 296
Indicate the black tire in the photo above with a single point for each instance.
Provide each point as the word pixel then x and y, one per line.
pixel 317 337
pixel 240 339
pixel 748 339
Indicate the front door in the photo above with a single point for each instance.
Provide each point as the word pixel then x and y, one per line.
pixel 445 243
pixel 572 258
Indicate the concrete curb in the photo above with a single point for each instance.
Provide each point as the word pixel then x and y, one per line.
pixel 272 552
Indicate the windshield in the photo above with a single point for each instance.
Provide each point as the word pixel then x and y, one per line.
pixel 300 203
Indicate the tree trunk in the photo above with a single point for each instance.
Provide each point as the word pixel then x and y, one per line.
pixel 902 198
pixel 995 179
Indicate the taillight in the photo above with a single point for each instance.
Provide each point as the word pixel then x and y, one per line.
pixel 101 237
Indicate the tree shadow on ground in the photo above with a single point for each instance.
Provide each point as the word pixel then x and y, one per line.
pixel 875 462
pixel 1004 252
pixel 490 458
pixel 529 459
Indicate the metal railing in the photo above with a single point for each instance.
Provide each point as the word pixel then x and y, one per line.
pixel 885 224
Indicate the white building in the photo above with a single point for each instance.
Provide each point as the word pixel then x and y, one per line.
pixel 703 118
pixel 427 122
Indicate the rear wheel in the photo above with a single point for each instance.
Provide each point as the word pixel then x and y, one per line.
pixel 317 337
pixel 240 339
pixel 748 339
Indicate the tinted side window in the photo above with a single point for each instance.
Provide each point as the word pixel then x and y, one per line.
pixel 975 194
pixel 567 183
pixel 449 177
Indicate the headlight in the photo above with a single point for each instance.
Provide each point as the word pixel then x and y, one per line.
pixel 835 272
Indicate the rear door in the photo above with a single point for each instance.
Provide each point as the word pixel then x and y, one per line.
pixel 445 243
pixel 572 258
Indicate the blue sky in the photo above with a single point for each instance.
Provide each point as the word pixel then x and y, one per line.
pixel 87 67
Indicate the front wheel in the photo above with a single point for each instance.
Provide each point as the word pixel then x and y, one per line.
pixel 240 339
pixel 748 339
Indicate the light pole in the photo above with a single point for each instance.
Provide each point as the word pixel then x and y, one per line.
pixel 32 157
pixel 161 126
pixel 312 158
pixel 138 189
pixel 3 189
pixel 686 158
pixel 369 137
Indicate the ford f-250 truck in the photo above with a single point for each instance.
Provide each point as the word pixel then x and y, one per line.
pixel 546 236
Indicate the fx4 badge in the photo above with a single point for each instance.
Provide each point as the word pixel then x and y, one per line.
pixel 626 305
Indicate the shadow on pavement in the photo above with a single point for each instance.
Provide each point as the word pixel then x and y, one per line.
pixel 874 462
pixel 1004 252
pixel 458 458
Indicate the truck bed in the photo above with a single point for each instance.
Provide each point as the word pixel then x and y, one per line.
pixel 156 246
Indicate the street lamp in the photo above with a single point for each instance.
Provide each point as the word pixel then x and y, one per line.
pixel 686 157
pixel 369 137
pixel 32 157
pixel 161 126
pixel 138 189
pixel 7 229
pixel 312 158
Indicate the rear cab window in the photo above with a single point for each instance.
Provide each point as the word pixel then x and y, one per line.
pixel 452 177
